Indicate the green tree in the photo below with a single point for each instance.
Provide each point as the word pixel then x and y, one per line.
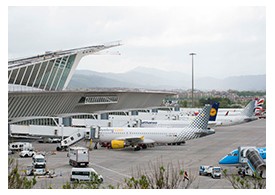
pixel 248 182
pixel 15 180
pixel 94 183
pixel 159 176
pixel 183 103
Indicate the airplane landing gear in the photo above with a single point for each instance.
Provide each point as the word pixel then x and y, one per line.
pixel 95 147
pixel 136 148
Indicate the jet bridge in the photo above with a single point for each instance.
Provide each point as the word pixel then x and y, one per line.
pixel 94 133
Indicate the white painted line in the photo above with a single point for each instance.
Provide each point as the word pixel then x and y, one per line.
pixel 112 170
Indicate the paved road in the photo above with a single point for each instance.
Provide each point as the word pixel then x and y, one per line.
pixel 115 165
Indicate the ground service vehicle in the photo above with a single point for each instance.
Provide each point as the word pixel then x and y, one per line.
pixel 27 153
pixel 85 174
pixel 205 170
pixel 38 166
pixel 35 171
pixel 38 161
pixel 20 146
pixel 78 156
pixel 215 172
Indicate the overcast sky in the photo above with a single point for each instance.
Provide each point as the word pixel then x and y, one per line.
pixel 229 41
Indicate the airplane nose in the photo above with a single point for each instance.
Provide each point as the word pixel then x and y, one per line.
pixel 223 160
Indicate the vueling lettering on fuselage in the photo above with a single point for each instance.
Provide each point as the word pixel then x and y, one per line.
pixel 118 130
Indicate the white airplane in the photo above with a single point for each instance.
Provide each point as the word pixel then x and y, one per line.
pixel 237 111
pixel 118 138
pixel 246 115
pixel 181 123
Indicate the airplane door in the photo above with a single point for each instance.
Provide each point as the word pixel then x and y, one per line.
pixel 94 132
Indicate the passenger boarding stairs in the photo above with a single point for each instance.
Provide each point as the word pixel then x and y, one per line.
pixel 92 133
pixel 251 157
pixel 72 139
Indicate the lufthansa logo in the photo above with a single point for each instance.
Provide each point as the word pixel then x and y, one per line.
pixel 213 112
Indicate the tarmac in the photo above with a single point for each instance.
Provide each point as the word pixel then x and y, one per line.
pixel 116 165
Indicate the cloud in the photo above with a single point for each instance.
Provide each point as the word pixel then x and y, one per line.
pixel 228 40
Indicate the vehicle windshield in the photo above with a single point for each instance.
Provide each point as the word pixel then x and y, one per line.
pixel 40 160
pixel 217 169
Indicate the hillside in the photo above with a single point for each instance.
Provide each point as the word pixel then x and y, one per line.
pixel 150 78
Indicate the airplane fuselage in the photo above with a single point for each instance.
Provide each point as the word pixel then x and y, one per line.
pixel 157 135
pixel 232 159
pixel 233 120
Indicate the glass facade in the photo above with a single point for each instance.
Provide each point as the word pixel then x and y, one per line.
pixel 40 121
pixel 66 71
pixel 47 75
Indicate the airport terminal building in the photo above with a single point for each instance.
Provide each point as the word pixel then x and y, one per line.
pixel 37 88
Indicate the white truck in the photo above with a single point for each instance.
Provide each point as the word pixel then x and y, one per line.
pixel 78 156
pixel 214 172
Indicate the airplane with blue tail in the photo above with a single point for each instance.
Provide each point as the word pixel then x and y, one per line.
pixel 182 123
pixel 248 157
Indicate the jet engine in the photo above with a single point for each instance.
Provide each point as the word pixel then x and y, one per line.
pixel 117 144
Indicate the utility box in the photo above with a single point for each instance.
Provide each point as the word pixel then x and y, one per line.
pixel 78 156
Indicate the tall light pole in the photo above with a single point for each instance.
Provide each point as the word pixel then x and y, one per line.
pixel 192 54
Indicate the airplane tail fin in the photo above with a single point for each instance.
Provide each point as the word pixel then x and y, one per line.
pixel 258 110
pixel 201 120
pixel 214 111
pixel 260 102
pixel 259 106
pixel 249 109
